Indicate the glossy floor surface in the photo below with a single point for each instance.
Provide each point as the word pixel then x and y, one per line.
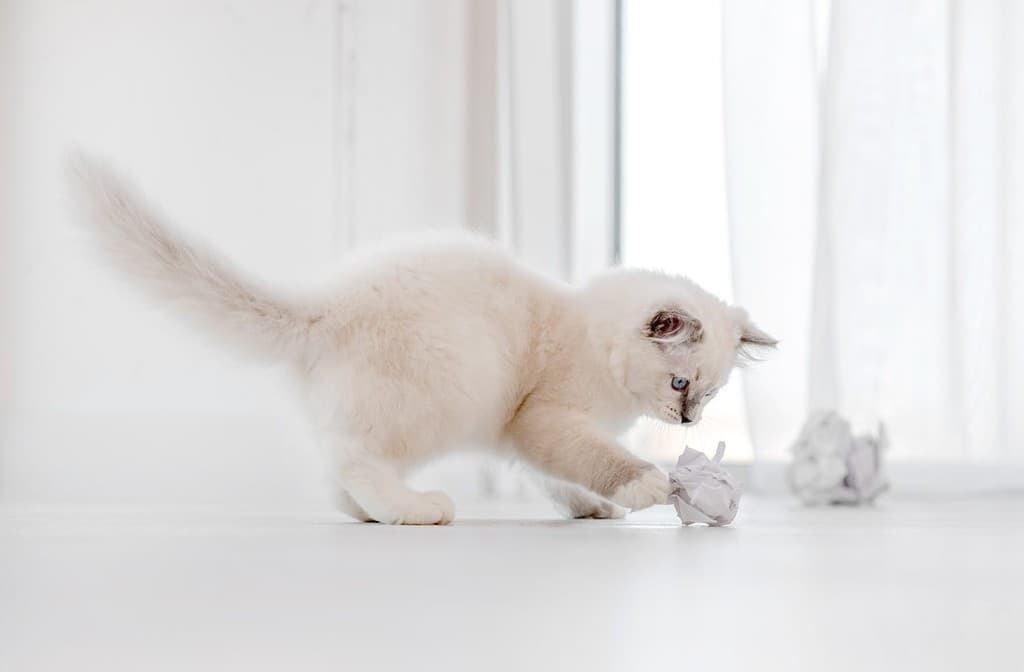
pixel 903 586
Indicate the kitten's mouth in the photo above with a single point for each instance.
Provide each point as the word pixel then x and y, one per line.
pixel 676 416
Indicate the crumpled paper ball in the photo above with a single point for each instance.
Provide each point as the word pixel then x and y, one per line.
pixel 831 466
pixel 702 491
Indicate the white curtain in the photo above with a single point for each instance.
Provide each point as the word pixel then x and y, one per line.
pixel 875 158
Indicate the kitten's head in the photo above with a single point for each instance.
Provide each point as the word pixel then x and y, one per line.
pixel 672 345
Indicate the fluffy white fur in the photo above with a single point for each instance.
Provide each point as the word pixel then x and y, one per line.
pixel 442 343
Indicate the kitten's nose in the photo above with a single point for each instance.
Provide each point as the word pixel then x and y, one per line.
pixel 685 420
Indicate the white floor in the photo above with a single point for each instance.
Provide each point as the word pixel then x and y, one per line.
pixel 905 586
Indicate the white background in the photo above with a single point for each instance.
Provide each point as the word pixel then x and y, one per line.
pixel 228 114
pixel 285 134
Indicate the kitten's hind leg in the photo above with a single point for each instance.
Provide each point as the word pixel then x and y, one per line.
pixel 376 487
pixel 344 503
pixel 574 501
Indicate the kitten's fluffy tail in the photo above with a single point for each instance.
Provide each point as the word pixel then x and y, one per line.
pixel 184 273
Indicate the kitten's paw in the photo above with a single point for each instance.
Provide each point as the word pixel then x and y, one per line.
pixel 649 488
pixel 427 508
pixel 600 510
pixel 574 501
pixel 578 504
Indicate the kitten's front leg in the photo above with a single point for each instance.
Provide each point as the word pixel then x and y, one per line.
pixel 575 501
pixel 567 447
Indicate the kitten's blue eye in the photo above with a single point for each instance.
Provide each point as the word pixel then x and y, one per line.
pixel 679 384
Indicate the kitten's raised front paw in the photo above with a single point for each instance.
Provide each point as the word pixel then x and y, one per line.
pixel 649 488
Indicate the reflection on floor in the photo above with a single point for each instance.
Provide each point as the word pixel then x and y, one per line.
pixel 906 585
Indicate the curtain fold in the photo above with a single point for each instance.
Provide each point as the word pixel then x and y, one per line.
pixel 879 220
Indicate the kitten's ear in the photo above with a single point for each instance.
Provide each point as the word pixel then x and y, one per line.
pixel 674 326
pixel 752 341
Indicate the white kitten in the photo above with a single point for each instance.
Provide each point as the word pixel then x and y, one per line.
pixel 447 342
